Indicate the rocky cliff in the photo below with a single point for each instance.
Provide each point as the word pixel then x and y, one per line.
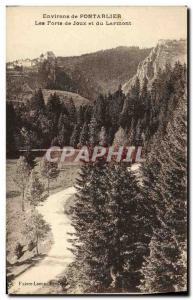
pixel 166 51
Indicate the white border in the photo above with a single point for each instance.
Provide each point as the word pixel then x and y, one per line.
pixel 3 4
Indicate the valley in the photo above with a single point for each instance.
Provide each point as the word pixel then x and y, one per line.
pixel 108 225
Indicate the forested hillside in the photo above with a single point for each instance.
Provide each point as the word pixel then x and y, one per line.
pixel 103 71
pixel 133 119
pixel 87 75
pixel 130 223
pixel 131 228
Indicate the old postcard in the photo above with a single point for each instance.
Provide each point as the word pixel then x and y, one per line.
pixel 96 110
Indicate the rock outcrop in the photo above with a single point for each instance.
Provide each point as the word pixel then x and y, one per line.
pixel 166 52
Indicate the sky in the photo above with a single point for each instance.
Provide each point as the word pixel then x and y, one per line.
pixel 148 24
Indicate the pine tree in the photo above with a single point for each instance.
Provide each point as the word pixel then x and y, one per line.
pixel 34 190
pixel 21 176
pixel 80 115
pixel 103 136
pixel 100 110
pixel 162 271
pixel 84 135
pixel 88 114
pixel 29 141
pixel 160 267
pixel 37 102
pixel 121 137
pixel 72 111
pixel 181 278
pixel 129 231
pixel 55 142
pixel 116 106
pixel 126 114
pixel 89 220
pixel 53 112
pixel 43 125
pixel 53 104
pixel 64 129
pixel 145 100
pixel 111 228
pixel 93 132
pixel 75 135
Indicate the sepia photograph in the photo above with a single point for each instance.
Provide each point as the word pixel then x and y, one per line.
pixel 96 150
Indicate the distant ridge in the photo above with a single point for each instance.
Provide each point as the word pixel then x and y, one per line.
pixel 165 52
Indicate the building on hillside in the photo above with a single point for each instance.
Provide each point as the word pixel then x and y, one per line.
pixel 49 55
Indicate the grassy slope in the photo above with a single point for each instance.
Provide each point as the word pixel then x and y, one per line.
pixel 66 96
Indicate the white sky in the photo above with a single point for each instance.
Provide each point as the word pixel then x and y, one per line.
pixel 149 24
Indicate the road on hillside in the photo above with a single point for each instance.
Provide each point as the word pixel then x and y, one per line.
pixel 59 257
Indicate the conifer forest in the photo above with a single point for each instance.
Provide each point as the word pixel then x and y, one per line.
pixel 129 219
